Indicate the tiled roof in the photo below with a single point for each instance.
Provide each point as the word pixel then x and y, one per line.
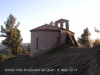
pixel 49 27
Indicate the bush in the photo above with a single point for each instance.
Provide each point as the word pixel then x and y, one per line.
pixel 96 43
pixel 25 51
pixel 2 57
pixel 6 56
pixel 10 56
pixel 19 50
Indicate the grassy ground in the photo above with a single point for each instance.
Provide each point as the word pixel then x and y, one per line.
pixel 59 62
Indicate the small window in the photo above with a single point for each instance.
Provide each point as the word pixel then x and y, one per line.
pixel 36 43
pixel 58 24
pixel 64 24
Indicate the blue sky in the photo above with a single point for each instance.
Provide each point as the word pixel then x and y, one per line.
pixel 34 13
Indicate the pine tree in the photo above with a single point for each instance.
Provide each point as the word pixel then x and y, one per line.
pixel 52 23
pixel 85 38
pixel 12 35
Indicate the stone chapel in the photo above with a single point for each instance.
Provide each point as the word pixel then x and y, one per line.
pixel 47 37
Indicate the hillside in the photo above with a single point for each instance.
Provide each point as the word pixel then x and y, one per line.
pixel 23 44
pixel 83 61
pixel 2 46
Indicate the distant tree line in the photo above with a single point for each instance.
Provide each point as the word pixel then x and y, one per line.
pixel 84 39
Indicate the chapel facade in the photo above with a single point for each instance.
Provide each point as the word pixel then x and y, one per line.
pixel 47 37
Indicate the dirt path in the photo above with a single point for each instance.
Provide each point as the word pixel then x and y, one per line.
pixel 60 62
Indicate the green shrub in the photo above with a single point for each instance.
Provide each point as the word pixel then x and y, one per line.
pixel 25 51
pixel 10 56
pixel 2 56
pixel 19 50
pixel 6 56
pixel 96 43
